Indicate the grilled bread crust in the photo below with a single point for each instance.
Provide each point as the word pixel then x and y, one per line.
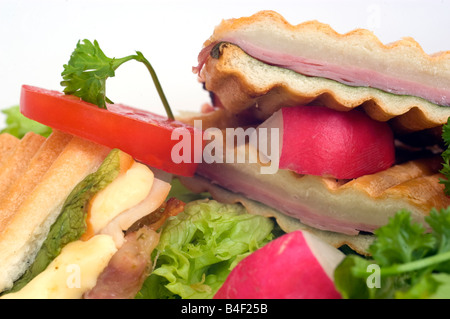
pixel 346 206
pixel 45 172
pixel 244 84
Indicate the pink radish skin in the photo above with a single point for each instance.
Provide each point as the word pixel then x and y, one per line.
pixel 297 265
pixel 320 141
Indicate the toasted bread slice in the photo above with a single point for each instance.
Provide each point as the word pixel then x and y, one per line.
pixel 318 41
pixel 243 83
pixel 38 166
pixel 7 145
pixel 17 163
pixel 198 184
pixel 23 229
pixel 344 206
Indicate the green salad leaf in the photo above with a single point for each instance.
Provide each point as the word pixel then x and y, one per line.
pixel 18 125
pixel 407 261
pixel 178 190
pixel 200 246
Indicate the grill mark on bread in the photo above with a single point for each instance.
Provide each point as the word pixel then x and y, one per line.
pixel 25 226
pixel 38 166
pixel 17 163
pixel 7 145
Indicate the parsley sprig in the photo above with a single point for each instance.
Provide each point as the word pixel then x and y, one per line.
pixel 88 68
pixel 414 262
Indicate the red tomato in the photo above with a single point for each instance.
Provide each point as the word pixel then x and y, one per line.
pixel 144 135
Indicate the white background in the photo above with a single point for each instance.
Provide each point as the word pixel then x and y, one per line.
pixel 38 36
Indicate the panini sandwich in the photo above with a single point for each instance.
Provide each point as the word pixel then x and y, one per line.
pixel 258 69
pixel 71 218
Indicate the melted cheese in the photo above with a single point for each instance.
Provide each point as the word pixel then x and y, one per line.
pixel 156 197
pixel 72 273
pixel 126 191
pixel 76 269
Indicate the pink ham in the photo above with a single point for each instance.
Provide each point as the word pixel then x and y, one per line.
pixel 349 75
pixel 285 201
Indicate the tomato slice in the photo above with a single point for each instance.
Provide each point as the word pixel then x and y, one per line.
pixel 144 135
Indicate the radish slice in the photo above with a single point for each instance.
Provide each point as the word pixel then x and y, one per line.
pixel 297 265
pixel 317 140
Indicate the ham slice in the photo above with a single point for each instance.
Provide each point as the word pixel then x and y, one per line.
pixel 155 198
pixel 345 74
pixel 342 206
pixel 357 58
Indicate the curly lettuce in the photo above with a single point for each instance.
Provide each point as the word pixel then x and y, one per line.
pixel 199 247
pixel 18 125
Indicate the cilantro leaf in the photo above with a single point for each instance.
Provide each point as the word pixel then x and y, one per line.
pixel 88 68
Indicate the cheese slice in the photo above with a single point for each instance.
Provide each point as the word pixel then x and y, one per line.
pixel 79 264
pixel 72 273
pixel 126 191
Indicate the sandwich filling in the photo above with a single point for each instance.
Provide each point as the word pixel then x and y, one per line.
pixel 88 234
pixel 253 67
pixel 346 74
pixel 357 58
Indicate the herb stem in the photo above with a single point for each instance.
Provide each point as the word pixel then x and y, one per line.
pixel 162 96
pixel 415 265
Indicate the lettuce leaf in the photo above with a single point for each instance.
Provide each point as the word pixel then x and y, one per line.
pixel 199 247
pixel 179 191
pixel 18 125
